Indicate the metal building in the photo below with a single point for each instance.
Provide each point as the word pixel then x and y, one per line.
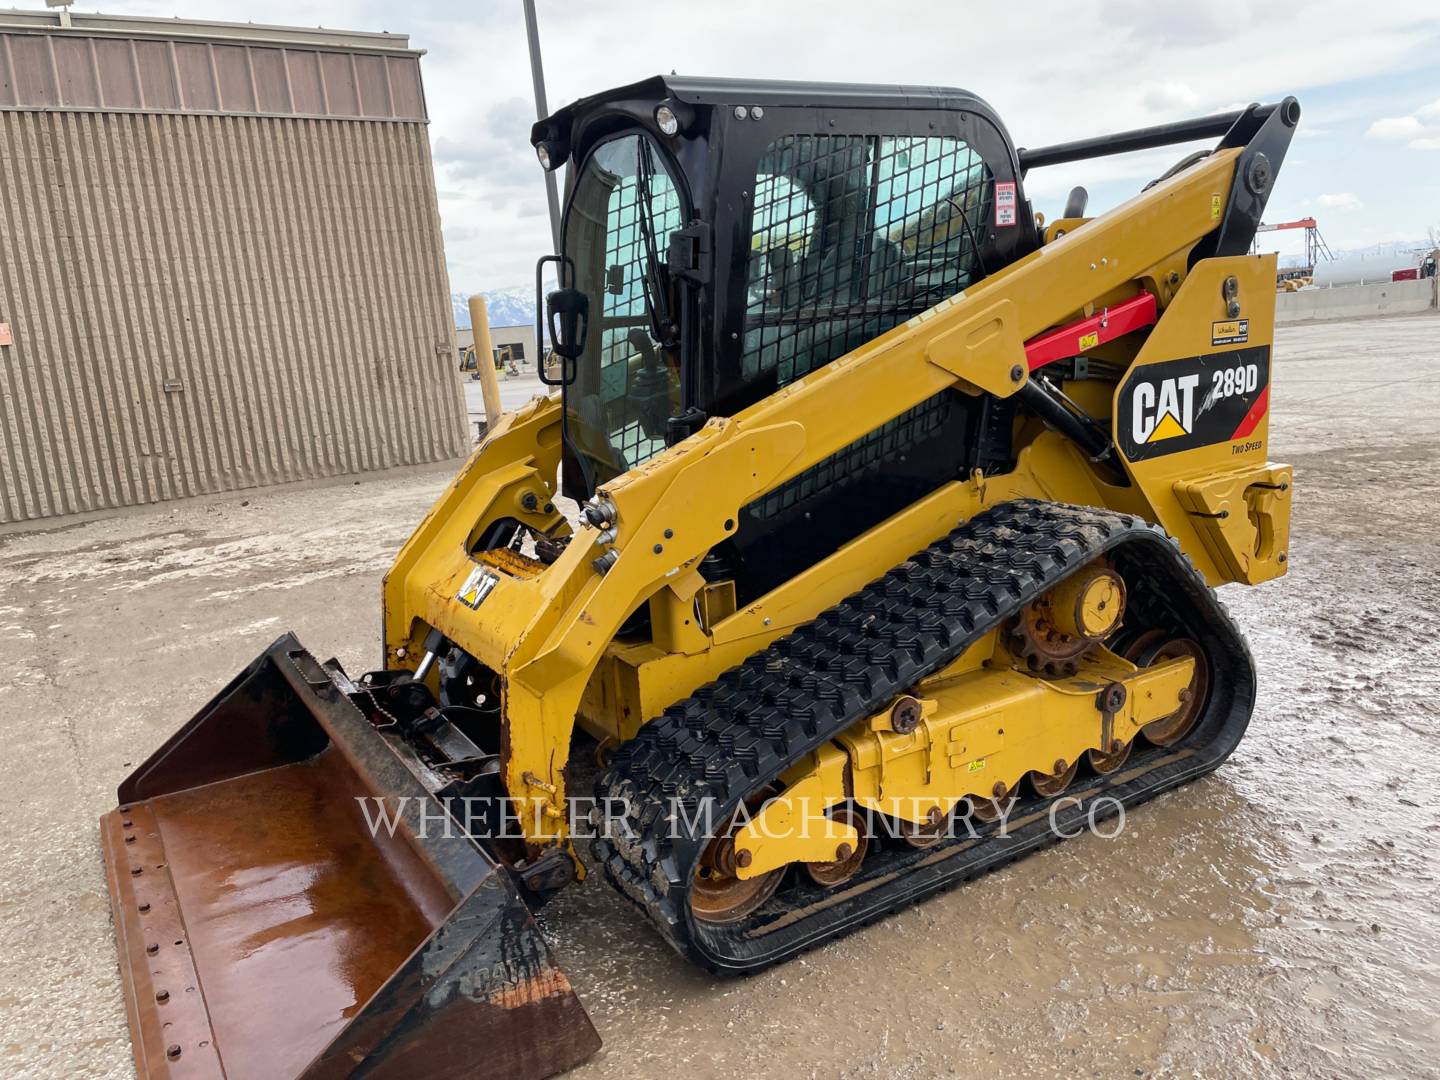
pixel 519 339
pixel 220 262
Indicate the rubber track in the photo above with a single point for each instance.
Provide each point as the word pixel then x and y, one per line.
pixel 736 734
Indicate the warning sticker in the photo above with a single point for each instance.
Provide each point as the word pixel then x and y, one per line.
pixel 1215 207
pixel 1089 341
pixel 1006 204
pixel 1230 332
pixel 477 587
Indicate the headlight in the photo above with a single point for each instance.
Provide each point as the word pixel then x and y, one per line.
pixel 666 120
pixel 543 153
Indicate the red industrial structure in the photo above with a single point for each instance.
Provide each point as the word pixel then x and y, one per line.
pixel 1315 247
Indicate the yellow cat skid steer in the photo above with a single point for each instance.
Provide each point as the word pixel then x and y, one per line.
pixel 902 512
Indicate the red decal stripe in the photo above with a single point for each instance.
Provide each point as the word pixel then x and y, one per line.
pixel 1252 418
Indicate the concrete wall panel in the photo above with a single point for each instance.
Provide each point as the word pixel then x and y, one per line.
pixel 46 68
pixel 159 81
pixel 119 78
pixel 75 73
pixel 34 72
pixel 203 303
pixel 1355 301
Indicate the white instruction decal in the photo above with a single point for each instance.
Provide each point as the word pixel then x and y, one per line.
pixel 1005 203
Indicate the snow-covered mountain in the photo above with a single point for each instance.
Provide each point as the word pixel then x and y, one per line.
pixel 514 306
pixel 1416 247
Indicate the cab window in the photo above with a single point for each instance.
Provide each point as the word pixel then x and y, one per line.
pixel 624 206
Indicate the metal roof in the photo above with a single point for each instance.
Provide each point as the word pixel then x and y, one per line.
pixel 257 33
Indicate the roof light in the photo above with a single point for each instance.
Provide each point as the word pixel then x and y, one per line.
pixel 673 117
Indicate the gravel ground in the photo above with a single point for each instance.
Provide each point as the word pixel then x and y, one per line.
pixel 1276 919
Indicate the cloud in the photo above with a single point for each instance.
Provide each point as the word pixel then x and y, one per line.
pixel 459 234
pixel 1418 133
pixel 495 150
pixel 1395 127
pixel 1169 24
pixel 1340 200
pixel 1169 96
pixel 1155 62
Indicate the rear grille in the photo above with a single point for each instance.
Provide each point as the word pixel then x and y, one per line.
pixel 861 458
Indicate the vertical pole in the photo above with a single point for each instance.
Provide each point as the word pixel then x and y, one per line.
pixel 485 360
pixel 542 110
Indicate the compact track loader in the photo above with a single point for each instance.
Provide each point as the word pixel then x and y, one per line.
pixel 901 513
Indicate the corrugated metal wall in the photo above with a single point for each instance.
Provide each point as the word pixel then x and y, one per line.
pixel 202 303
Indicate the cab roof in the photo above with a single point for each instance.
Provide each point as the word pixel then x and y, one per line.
pixel 700 90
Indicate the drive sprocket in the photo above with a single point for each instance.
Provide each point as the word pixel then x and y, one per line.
pixel 1054 632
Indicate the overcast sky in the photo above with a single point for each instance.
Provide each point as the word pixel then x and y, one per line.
pixel 1366 161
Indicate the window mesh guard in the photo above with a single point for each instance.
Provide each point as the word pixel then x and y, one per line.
pixel 851 236
pixel 624 309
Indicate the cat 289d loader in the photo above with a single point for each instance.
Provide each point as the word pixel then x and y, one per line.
pixel 900 516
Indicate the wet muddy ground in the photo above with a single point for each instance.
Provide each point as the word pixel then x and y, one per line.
pixel 1280 918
